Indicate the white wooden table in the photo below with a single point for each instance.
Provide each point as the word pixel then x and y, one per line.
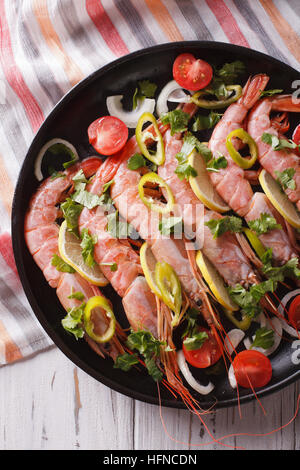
pixel 48 403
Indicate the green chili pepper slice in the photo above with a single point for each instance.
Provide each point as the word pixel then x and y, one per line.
pixel 217 104
pixel 99 302
pixel 158 157
pixel 153 178
pixel 170 288
pixel 242 324
pixel 242 162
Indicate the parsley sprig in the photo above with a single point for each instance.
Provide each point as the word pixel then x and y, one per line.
pixel 264 224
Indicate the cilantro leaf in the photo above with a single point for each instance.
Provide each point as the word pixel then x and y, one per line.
pixel 119 228
pixel 113 266
pixel 170 225
pixel 195 341
pixel 136 161
pixel 177 119
pixel 126 361
pixel 264 93
pixel 76 295
pixel 216 163
pixel 278 273
pixel 264 224
pixel 264 338
pixel 190 142
pixel 285 178
pixel 86 198
pixel 277 143
pixel 224 224
pixel 206 122
pixel 144 89
pixel 249 300
pixel 185 170
pixel 60 265
pixel 73 321
pixel 71 212
pixel 230 71
pixel 87 245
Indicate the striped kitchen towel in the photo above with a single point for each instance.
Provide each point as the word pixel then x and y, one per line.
pixel 47 46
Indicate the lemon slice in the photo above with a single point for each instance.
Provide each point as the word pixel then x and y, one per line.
pixel 279 199
pixel 148 263
pixel 215 282
pixel 70 251
pixel 202 185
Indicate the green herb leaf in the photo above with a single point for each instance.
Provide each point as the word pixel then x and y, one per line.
pixel 190 142
pixel 119 228
pixel 60 148
pixel 73 321
pixel 177 119
pixel 71 212
pixel 264 93
pixel 107 185
pixel 61 265
pixel 285 178
pixel 278 144
pixel 264 224
pixel 185 170
pixel 196 341
pixel 216 163
pixel 206 122
pixel 191 316
pixel 249 300
pixel 76 295
pixel 278 273
pixel 126 361
pixel 55 174
pixel 136 161
pixel 224 224
pixel 144 89
pixel 86 199
pixel 153 370
pixel 87 244
pixel 231 71
pixel 113 266
pixel 264 338
pixel 170 225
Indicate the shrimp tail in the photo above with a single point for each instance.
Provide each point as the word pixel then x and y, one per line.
pixel 252 90
pixel 285 103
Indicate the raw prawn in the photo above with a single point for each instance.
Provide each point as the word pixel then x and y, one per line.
pixel 41 235
pixel 260 122
pixel 231 182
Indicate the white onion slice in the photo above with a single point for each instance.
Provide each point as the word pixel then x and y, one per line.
pixel 289 329
pixel 231 377
pixel 233 339
pixel 170 92
pixel 275 325
pixel 202 389
pixel 38 162
pixel 130 118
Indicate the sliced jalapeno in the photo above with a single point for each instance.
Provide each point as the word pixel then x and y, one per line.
pixel 153 178
pixel 242 324
pixel 242 162
pixel 99 302
pixel 217 104
pixel 170 288
pixel 157 157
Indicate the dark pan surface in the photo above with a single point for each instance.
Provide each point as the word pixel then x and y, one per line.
pixel 69 120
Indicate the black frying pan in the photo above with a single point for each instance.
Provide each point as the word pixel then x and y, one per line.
pixel 69 120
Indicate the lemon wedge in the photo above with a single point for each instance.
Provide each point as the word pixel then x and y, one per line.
pixel 202 185
pixel 148 263
pixel 215 282
pixel 70 251
pixel 279 199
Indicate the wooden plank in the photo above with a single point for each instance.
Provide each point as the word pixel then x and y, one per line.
pixel 48 403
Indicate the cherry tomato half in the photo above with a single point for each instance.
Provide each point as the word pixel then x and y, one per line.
pixel 207 355
pixel 252 369
pixel 191 73
pixel 108 135
pixel 294 312
pixel 296 137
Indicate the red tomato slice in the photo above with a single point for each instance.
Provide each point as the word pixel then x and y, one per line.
pixel 207 355
pixel 108 135
pixel 294 312
pixel 191 73
pixel 252 369
pixel 296 137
